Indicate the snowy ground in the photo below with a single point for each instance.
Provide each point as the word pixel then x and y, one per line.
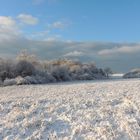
pixel 108 110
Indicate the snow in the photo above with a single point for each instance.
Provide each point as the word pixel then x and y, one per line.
pixel 105 110
pixel 117 76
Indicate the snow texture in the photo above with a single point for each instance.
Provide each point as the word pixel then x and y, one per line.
pixel 95 110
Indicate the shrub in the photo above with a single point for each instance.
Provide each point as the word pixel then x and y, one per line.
pixel 1 83
pixel 9 82
pixel 24 68
pixel 21 81
pixel 135 73
pixel 60 73
pixel 6 69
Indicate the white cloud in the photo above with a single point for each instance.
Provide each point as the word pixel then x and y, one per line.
pixel 74 54
pixel 59 25
pixel 28 19
pixel 7 33
pixel 39 35
pixel 51 39
pixel 122 49
pixel 6 21
pixel 8 29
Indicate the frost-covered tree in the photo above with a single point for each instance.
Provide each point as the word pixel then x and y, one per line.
pixel 27 69
pixel 7 69
pixel 61 73
pixel 108 71
pixel 24 68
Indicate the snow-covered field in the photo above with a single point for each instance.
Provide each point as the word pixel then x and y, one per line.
pixel 106 110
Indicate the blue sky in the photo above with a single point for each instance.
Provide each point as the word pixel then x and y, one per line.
pixel 104 31
pixel 90 20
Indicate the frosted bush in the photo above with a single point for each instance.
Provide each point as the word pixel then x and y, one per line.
pixel 61 73
pixel 135 73
pixel 21 81
pixel 86 76
pixel 7 69
pixel 26 69
pixel 9 82
pixel 31 80
pixel 25 56
pixel 1 83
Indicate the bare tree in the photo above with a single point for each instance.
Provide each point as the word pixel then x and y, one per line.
pixel 108 71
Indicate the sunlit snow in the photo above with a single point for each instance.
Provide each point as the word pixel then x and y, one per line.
pixel 106 110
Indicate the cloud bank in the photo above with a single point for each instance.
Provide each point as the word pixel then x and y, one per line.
pixel 118 56
pixel 121 50
pixel 28 19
